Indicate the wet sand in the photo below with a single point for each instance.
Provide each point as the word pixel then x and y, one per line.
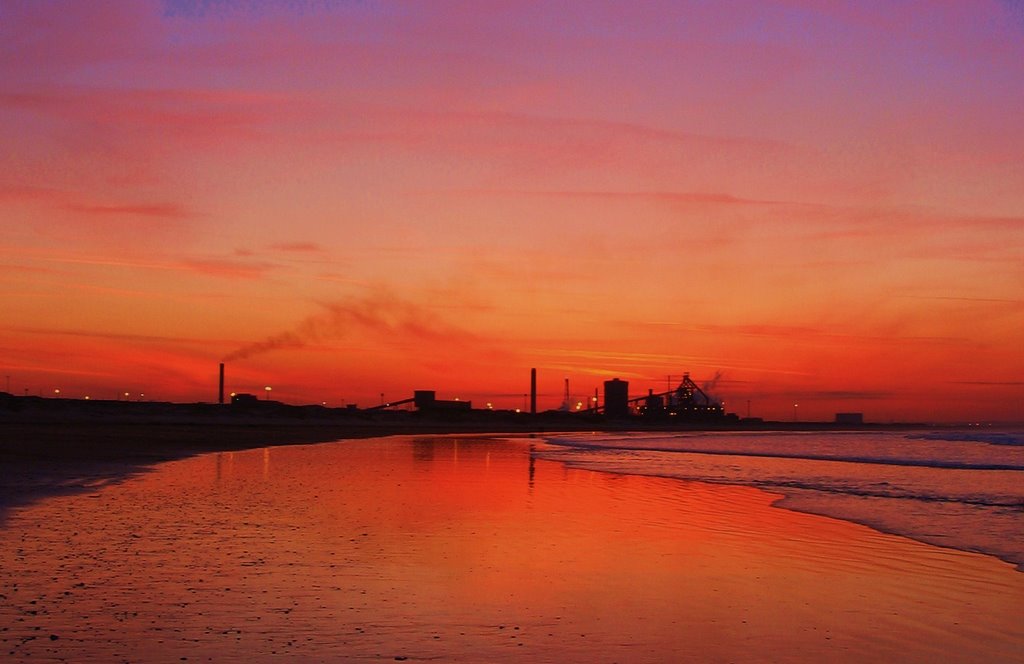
pixel 470 549
pixel 44 458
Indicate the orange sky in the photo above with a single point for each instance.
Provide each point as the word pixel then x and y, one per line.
pixel 821 203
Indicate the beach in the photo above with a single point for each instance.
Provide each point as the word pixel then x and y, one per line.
pixel 472 548
pixel 46 454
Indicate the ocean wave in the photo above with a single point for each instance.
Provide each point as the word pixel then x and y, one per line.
pixel 964 495
pixel 992 438
pixel 674 446
pixel 1011 502
pixel 826 485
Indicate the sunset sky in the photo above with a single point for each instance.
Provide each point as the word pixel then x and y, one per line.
pixel 818 203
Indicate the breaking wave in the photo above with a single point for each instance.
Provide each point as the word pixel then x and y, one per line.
pixel 963 490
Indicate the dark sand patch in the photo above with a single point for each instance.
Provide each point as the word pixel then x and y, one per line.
pixel 39 459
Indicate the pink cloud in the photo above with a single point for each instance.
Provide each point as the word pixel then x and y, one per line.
pixel 47 40
pixel 298 247
pixel 160 210
pixel 699 198
pixel 225 268
pixel 231 268
pixel 194 114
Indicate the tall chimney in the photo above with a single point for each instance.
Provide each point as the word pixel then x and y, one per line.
pixel 220 397
pixel 533 391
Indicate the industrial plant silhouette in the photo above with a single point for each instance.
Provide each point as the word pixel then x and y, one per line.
pixel 684 405
pixel 687 402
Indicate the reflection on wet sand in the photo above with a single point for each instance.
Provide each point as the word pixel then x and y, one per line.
pixel 469 549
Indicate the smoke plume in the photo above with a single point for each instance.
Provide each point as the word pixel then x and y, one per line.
pixel 384 314
pixel 710 385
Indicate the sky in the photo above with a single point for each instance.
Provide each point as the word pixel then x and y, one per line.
pixel 811 207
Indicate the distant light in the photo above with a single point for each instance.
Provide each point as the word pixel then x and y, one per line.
pixel 518 411
pixel 86 397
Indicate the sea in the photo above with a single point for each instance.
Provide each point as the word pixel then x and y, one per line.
pixel 962 489
pixel 477 548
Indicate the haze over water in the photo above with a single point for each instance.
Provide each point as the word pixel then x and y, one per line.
pixel 474 549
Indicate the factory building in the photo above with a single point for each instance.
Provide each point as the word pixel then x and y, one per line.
pixel 654 404
pixel 686 402
pixel 616 398
pixel 427 400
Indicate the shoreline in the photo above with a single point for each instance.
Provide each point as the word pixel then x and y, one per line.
pixel 459 549
pixel 842 506
pixel 73 444
pixel 39 459
pixel 45 452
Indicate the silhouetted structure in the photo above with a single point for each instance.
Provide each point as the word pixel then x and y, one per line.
pixel 686 402
pixel 533 391
pixel 849 418
pixel 243 399
pixel 428 396
pixel 654 405
pixel 426 400
pixel 616 398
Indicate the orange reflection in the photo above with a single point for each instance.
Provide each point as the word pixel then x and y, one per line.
pixel 468 549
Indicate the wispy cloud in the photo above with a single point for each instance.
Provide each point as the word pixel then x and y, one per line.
pixel 225 267
pixel 240 268
pixel 298 247
pixel 184 113
pixel 576 359
pixel 73 201
pixel 161 210
pixel 681 197
pixel 111 336
pixel 852 395
pixel 795 333
pixel 199 9
pixel 980 300
pixel 990 383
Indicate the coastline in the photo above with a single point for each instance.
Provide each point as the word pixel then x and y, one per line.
pixel 39 458
pixel 54 446
pixel 937 502
pixel 44 456
pixel 472 548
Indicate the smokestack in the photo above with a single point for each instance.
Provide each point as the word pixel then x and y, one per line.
pixel 533 391
pixel 220 397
